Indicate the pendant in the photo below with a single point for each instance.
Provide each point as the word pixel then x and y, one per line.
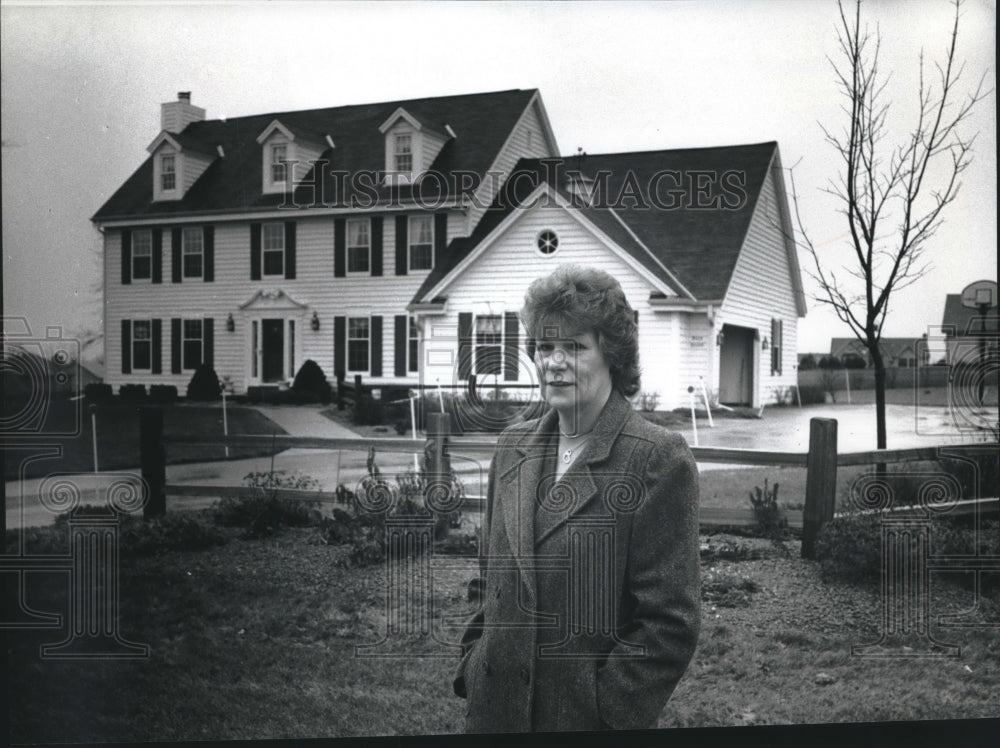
pixel 567 456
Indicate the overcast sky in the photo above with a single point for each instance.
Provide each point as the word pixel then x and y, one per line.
pixel 82 85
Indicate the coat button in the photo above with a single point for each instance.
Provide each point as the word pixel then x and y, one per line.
pixel 525 676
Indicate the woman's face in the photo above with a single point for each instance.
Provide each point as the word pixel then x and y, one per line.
pixel 573 372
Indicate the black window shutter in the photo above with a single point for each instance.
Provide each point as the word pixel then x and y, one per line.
pixel 531 348
pixel 376 237
pixel 176 256
pixel 175 346
pixel 376 346
pixel 126 346
pixel 401 253
pixel 208 341
pixel 464 344
pixel 510 344
pixel 290 250
pixel 157 333
pixel 339 345
pixel 126 257
pixel 157 255
pixel 339 248
pixel 399 355
pixel 255 252
pixel 208 245
pixel 440 237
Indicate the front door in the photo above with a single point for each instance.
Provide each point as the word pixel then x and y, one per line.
pixel 272 350
pixel 736 366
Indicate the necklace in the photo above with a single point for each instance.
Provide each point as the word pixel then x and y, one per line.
pixel 567 455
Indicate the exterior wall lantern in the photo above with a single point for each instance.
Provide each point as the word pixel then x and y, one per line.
pixel 315 321
pixel 765 344
pixel 719 338
pixel 230 323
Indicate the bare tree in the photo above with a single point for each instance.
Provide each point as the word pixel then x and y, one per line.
pixel 892 190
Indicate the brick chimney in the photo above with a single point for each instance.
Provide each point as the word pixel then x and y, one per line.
pixel 176 115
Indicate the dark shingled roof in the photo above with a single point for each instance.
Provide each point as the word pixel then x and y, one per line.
pixel 966 320
pixel 698 245
pixel 232 184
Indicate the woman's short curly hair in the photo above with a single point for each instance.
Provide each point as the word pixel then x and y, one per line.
pixel 576 299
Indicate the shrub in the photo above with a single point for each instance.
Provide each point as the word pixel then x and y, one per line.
pixel 807 363
pixel 204 384
pixel 311 381
pixel 849 548
pixel 770 520
pixel 163 393
pixel 98 392
pixel 648 401
pixel 727 590
pixel 132 393
pixel 260 511
pixel 830 362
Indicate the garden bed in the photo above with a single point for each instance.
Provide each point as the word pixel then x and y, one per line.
pixel 256 639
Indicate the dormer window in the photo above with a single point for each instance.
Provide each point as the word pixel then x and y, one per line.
pixel 168 172
pixel 279 167
pixel 404 153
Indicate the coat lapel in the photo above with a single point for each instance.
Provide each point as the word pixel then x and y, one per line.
pixel 579 478
pixel 518 487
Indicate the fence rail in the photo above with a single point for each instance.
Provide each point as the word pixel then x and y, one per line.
pixel 820 461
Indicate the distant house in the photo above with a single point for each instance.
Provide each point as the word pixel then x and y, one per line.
pixel 395 241
pixel 966 331
pixel 899 353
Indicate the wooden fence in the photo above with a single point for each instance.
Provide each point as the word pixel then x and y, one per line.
pixel 820 461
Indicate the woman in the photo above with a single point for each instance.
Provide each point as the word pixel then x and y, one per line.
pixel 589 560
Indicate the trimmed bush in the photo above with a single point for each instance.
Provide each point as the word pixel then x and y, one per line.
pixel 311 382
pixel 98 392
pixel 163 393
pixel 132 393
pixel 849 548
pixel 204 385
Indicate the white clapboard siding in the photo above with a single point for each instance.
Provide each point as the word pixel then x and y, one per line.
pixel 761 288
pixel 194 166
pixel 497 280
pixel 314 287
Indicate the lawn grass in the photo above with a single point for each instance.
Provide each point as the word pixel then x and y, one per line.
pixel 256 639
pixel 118 436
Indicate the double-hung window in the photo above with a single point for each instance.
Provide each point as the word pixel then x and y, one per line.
pixel 168 172
pixel 192 343
pixel 489 337
pixel 358 245
pixel 421 242
pixel 194 252
pixel 142 255
pixel 279 164
pixel 142 345
pixel 358 339
pixel 403 153
pixel 274 249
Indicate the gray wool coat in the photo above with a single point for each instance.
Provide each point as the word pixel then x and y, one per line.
pixel 591 585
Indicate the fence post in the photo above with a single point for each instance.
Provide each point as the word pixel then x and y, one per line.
pixel 438 427
pixel 152 461
pixel 821 481
pixel 340 390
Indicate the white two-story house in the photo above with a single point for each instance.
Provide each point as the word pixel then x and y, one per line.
pixel 395 241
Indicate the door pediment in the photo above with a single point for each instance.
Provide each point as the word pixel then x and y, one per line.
pixel 272 300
